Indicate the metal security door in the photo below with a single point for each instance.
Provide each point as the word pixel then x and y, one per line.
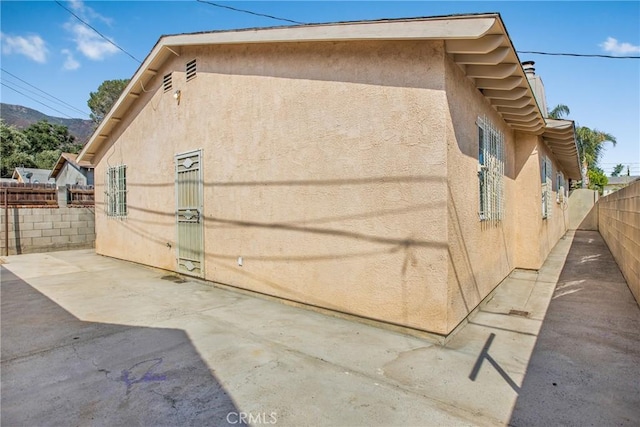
pixel 189 213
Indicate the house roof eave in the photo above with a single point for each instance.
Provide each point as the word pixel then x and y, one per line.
pixel 71 159
pixel 478 43
pixel 560 137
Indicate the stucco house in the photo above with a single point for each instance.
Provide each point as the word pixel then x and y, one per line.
pixel 69 171
pixel 32 176
pixel 394 170
pixel 616 183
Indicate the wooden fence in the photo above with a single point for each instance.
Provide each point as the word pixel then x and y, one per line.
pixel 29 195
pixel 14 194
pixel 80 195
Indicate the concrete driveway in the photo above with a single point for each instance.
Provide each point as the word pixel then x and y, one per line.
pixel 88 340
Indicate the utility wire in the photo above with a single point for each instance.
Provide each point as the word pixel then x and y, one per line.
pixel 46 93
pixel 98 32
pixel 33 99
pixel 17 86
pixel 250 12
pixel 583 55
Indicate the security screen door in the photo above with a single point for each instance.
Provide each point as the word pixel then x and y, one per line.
pixel 190 244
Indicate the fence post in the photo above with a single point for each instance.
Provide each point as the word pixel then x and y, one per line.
pixel 6 221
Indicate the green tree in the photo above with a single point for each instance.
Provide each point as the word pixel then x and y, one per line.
pixel 559 111
pixel 47 159
pixel 38 146
pixel 597 179
pixel 14 150
pixel 590 145
pixel 46 141
pixel 45 136
pixel 617 170
pixel 101 101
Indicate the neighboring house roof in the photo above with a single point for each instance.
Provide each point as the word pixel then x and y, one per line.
pixel 68 158
pixel 37 175
pixel 621 180
pixel 478 43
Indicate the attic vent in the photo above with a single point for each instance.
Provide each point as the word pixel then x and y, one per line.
pixel 191 70
pixel 167 83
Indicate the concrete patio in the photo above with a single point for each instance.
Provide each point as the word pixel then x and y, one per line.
pixel 89 340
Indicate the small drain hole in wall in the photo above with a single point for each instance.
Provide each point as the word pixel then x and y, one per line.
pixel 174 279
pixel 519 313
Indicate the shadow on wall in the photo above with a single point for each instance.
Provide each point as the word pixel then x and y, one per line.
pixel 85 372
pixel 301 225
pixel 361 62
pixel 16 231
pixel 464 101
pixel 460 261
pixel 335 227
pixel 583 210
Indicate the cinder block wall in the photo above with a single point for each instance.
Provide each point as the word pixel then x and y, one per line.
pixel 583 212
pixel 48 229
pixel 619 225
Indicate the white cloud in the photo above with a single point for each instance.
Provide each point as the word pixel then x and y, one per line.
pixel 32 46
pixel 614 47
pixel 89 43
pixel 70 63
pixel 87 13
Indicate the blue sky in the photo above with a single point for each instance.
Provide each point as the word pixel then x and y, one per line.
pixel 44 45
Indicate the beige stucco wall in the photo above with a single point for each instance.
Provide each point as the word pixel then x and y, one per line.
pixel 535 235
pixel 583 210
pixel 324 169
pixel 480 252
pixel 344 174
pixel 483 253
pixel 619 225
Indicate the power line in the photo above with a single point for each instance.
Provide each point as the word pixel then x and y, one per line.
pixel 250 12
pixel 98 32
pixel 46 93
pixel 583 55
pixel 16 85
pixel 33 99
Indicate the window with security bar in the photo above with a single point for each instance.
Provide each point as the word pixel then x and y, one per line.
pixel 546 172
pixel 490 171
pixel 560 187
pixel 116 191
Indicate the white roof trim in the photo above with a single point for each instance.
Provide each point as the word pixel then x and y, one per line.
pixel 479 44
pixel 560 137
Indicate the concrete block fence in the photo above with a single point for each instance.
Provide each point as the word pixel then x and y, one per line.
pixel 619 226
pixel 48 229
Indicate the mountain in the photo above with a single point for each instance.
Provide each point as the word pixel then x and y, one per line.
pixel 22 117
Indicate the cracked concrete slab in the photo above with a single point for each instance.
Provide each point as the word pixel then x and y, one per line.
pixel 585 365
pixel 112 342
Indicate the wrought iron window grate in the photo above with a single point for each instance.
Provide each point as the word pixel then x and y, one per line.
pixel 547 186
pixel 561 186
pixel 491 153
pixel 116 191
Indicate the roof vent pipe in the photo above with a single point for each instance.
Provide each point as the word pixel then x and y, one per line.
pixel 536 86
pixel 528 68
